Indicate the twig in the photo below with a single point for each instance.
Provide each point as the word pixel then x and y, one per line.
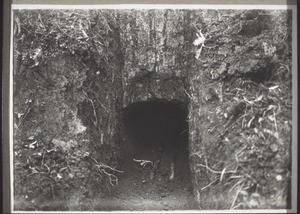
pixel 238 154
pixel 239 204
pixel 183 131
pixel 33 173
pixel 143 163
pixel 250 121
pixel 42 164
pixel 243 121
pixel 40 18
pixel 106 166
pixel 276 135
pixel 66 34
pixel 222 174
pixel 188 94
pixel 214 171
pixel 211 129
pixel 199 52
pixel 235 177
pixel 103 106
pixel 102 169
pixel 94 110
pixel 196 153
pixel 104 20
pixel 237 183
pixel 22 119
pixel 52 191
pixel 203 188
pixel 205 159
pixel 198 197
pixel 47 168
pixel 210 47
pixel 236 195
pixel 112 177
pixel 275 123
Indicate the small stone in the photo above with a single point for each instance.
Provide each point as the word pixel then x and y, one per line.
pixel 279 178
pixel 255 195
pixel 274 147
pixel 260 120
pixel 244 193
pixel 253 203
pixel 177 72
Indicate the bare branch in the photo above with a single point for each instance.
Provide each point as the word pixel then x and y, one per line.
pixel 188 94
pixel 236 195
pixel 102 168
pixel 94 110
pixel 203 188
pixel 143 163
pixel 214 171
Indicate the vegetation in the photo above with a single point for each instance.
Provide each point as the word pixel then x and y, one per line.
pixel 245 111
pixel 74 70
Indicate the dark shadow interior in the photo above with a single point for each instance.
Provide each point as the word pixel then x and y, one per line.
pixel 156 134
pixel 157 123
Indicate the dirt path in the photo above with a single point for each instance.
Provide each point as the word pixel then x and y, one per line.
pixel 156 132
pixel 136 190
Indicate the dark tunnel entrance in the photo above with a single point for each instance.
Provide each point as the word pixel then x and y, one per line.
pixel 155 156
pixel 157 124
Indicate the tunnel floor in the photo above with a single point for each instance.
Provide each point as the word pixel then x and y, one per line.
pixel 156 133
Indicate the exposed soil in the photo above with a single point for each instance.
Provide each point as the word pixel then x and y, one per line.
pixel 69 91
pixel 156 132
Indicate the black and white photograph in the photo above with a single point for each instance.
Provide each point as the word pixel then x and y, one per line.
pixel 153 108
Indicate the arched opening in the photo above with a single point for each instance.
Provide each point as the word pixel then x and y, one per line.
pixel 157 124
pixel 155 156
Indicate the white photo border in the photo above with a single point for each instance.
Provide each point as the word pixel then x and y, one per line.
pixel 169 6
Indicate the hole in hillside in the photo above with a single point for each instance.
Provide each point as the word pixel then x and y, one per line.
pixel 155 155
pixel 262 75
pixel 157 123
pixel 258 77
